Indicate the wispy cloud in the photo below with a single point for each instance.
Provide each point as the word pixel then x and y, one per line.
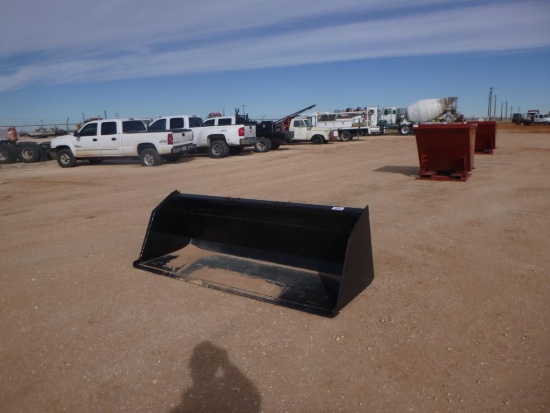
pixel 71 41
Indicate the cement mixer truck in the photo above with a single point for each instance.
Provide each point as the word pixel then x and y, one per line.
pixel 425 110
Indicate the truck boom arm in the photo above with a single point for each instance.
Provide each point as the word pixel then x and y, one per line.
pixel 285 122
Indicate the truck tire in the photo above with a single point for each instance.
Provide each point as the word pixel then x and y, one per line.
pixel 404 130
pixel 262 145
pixel 218 149
pixel 149 157
pixel 345 136
pixel 65 158
pixel 28 152
pixel 317 139
pixel 7 154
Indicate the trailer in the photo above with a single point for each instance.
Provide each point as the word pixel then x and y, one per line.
pixel 12 149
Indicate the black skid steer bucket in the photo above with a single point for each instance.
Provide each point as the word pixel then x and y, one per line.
pixel 309 257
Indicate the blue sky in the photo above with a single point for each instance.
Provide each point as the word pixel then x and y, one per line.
pixel 64 58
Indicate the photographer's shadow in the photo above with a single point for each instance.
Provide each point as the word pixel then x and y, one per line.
pixel 218 385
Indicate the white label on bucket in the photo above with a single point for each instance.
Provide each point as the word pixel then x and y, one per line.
pixel 338 208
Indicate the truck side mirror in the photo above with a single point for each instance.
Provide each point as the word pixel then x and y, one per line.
pixel 76 134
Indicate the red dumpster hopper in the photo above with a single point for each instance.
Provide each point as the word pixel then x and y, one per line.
pixel 446 151
pixel 486 133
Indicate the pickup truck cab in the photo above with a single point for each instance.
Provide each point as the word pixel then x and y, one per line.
pixel 263 143
pixel 117 138
pixel 301 130
pixel 220 140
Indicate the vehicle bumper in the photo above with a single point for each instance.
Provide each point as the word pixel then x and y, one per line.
pixel 185 148
pixel 247 141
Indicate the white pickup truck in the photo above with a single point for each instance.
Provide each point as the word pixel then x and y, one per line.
pixel 117 138
pixel 540 119
pixel 219 140
pixel 301 130
pixel 263 144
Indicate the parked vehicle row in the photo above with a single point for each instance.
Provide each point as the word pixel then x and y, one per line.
pixel 116 138
pixel 220 141
pixel 532 117
pixel 166 138
pixel 170 137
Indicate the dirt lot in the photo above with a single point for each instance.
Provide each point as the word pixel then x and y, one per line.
pixel 456 318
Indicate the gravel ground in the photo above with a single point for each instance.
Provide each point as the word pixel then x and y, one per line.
pixel 456 318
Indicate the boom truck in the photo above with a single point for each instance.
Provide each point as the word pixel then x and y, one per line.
pixel 270 133
pixel 348 123
pixel 425 110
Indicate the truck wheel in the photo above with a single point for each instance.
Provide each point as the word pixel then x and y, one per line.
pixel 65 158
pixel 218 149
pixel 7 154
pixel 317 139
pixel 345 136
pixel 28 152
pixel 262 145
pixel 149 157
pixel 405 130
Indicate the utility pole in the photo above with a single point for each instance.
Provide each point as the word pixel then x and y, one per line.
pixel 495 107
pixel 501 108
pixel 506 113
pixel 490 101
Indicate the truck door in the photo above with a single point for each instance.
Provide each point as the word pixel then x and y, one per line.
pixel 300 130
pixel 109 139
pixel 86 142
